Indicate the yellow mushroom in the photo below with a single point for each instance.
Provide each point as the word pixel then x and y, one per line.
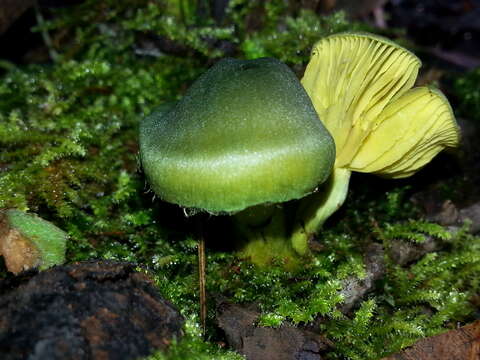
pixel 361 87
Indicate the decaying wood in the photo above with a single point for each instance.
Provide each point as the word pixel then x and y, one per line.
pixel 18 252
pixel 459 344
pixel 472 215
pixel 404 252
pixel 449 215
pixel 262 343
pixel 90 310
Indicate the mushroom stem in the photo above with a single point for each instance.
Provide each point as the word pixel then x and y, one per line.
pixel 316 209
pixel 255 216
pixel 266 238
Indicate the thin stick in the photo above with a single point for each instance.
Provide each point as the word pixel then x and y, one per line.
pixel 202 280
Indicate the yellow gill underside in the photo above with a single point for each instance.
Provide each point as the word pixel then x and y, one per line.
pixel 408 134
pixel 351 78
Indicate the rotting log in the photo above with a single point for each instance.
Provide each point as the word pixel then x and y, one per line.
pixel 89 310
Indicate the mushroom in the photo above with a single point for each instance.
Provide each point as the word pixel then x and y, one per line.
pixel 361 87
pixel 244 136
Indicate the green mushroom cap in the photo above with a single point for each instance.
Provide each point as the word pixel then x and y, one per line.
pixel 245 133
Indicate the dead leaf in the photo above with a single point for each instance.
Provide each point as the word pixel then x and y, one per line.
pixel 459 344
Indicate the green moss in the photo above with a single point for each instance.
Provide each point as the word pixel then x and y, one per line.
pixel 68 134
pixel 409 303
pixel 415 231
pixel 192 346
pixel 413 302
pixel 298 33
pixel 467 91
pixel 299 296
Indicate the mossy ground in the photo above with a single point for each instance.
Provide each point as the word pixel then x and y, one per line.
pixel 68 134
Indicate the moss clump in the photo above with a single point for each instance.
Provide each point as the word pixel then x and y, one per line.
pixel 297 33
pixel 69 147
pixel 415 231
pixel 412 302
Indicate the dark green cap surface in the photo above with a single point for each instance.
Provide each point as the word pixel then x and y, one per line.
pixel 245 133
